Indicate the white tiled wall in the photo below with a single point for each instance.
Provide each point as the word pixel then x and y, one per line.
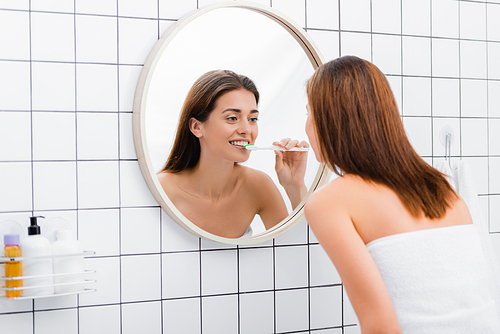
pixel 68 71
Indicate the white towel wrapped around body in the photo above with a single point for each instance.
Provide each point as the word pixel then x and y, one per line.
pixel 437 279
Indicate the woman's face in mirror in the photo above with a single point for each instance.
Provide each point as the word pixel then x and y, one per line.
pixel 231 125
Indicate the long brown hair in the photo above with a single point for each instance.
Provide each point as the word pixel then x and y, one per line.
pixel 359 131
pixel 199 103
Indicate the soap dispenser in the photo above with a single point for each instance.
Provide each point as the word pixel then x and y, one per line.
pixel 37 265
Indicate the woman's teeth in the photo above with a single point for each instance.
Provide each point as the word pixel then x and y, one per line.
pixel 239 143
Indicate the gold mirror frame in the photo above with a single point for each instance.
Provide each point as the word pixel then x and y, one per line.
pixel 139 128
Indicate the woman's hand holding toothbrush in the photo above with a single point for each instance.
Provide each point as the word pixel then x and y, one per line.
pixel 291 168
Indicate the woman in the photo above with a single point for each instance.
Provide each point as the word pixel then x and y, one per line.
pixel 400 237
pixel 202 176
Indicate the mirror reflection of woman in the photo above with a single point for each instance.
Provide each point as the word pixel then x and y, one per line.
pixel 202 176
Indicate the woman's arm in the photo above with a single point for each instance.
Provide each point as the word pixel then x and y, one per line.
pixel 334 229
pixel 291 168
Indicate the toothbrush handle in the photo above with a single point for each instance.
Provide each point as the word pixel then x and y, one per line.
pixel 278 148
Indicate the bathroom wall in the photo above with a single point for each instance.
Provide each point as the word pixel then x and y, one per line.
pixel 68 71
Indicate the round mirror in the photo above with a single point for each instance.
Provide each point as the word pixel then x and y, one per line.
pixel 251 40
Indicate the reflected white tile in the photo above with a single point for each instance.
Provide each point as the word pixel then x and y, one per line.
pixel 494 171
pixel 52 36
pixel 15 136
pixel 292 310
pixel 127 150
pixel 494 214
pixel 472 20
pixel 474 98
pixel 96 39
pixel 100 320
pixel 54 136
pixel 140 278
pixel 129 76
pixel 445 57
pixel 478 167
pixel 132 8
pixel 97 87
pixel 386 16
pixel 98 184
pixel 15 35
pixel 219 271
pixel 175 238
pixel 494 98
pixel 493 22
pixel 219 314
pixel 416 56
pixel 173 9
pixel 358 44
pixel 418 130
pixel 256 269
pixel 327 42
pixel 352 330
pixel 387 53
pixel 474 137
pixel 445 18
pixel 180 275
pixel 326 307
pixel 133 316
pixel 53 5
pixel 133 189
pixel 99 231
pixel 54 185
pixel 493 56
pixel 328 331
pixel 15 86
pixel 322 270
pixel 473 59
pixel 355 15
pixel 291 267
pixel 257 313
pixel 106 7
pixel 445 97
pixel 136 38
pixel 53 86
pixel 296 235
pixel 494 136
pixel 108 282
pixel 140 230
pixel 97 136
pixel 322 14
pixel 416 17
pixel 66 320
pixel 19 323
pixel 416 96
pixel 439 125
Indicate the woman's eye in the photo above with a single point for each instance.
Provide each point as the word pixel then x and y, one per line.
pixel 254 119
pixel 232 118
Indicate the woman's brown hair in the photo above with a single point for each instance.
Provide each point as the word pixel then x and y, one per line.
pixel 359 131
pixel 199 103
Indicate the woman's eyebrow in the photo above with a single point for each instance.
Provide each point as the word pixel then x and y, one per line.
pixel 239 110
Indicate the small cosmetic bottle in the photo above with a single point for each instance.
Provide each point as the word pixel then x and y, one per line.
pixel 38 270
pixel 12 268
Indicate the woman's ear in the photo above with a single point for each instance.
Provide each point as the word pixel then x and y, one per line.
pixel 196 127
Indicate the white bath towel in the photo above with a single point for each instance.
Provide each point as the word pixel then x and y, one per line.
pixel 437 280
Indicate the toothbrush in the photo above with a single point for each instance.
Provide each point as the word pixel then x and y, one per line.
pixel 252 147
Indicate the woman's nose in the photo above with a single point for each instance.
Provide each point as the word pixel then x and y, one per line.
pixel 244 128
